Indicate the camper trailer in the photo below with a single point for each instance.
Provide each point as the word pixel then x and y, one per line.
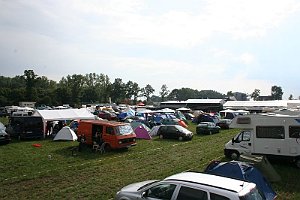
pixel 266 134
pixel 116 135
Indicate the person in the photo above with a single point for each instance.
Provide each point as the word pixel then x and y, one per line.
pixel 82 141
pixel 99 139
pixel 49 128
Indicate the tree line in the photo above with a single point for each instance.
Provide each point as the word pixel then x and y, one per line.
pixel 92 88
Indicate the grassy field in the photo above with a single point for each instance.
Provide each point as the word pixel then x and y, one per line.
pixel 52 172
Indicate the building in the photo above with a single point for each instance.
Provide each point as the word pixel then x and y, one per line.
pixel 207 105
pixel 262 106
pixel 27 104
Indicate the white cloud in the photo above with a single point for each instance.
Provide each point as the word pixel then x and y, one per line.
pixel 176 28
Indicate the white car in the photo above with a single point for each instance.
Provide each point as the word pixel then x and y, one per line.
pixel 191 186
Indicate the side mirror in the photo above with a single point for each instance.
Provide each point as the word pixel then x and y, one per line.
pixel 232 140
pixel 144 194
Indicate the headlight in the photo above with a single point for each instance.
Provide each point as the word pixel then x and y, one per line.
pixel 120 142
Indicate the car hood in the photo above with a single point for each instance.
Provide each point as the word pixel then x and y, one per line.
pixel 135 186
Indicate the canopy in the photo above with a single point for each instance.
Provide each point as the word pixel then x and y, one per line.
pixel 65 114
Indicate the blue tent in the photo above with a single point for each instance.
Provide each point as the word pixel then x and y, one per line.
pixel 242 171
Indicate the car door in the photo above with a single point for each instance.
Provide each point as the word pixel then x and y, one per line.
pixel 173 132
pixel 191 193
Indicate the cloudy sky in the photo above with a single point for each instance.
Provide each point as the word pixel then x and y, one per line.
pixel 232 45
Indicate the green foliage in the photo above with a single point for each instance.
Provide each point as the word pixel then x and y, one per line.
pixel 184 94
pixel 276 93
pixel 255 94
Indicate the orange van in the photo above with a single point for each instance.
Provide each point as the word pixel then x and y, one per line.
pixel 116 135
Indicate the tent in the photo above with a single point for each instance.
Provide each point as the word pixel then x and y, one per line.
pixel 65 114
pixel 66 133
pixel 153 131
pixel 242 171
pixel 126 113
pixel 141 130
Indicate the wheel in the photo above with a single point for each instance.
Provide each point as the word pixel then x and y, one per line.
pixel 298 162
pixel 180 138
pixel 107 148
pixel 235 155
pixel 161 136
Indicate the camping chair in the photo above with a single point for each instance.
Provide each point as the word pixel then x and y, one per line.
pixel 95 146
pixel 102 148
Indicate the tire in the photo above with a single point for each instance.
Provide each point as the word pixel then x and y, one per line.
pixel 180 138
pixel 107 148
pixel 161 136
pixel 234 155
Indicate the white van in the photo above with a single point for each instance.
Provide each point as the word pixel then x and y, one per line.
pixel 266 134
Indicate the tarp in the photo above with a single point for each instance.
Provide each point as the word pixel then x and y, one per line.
pixel 242 171
pixel 127 112
pixel 66 133
pixel 65 114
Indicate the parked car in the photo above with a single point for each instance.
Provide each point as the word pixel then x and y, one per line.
pixel 107 115
pixel 207 128
pixel 174 132
pixel 4 137
pixel 191 186
pixel 224 123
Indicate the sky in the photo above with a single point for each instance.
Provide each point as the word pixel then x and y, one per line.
pixel 232 45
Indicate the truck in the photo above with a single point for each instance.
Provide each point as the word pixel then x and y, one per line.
pixel 116 135
pixel 272 135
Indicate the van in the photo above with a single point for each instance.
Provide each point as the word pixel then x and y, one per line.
pixel 116 135
pixel 26 127
pixel 272 135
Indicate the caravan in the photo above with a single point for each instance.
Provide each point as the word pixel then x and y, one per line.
pixel 266 134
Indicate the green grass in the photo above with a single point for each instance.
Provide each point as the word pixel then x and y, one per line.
pixel 27 172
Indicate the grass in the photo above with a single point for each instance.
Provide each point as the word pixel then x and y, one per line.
pixel 51 172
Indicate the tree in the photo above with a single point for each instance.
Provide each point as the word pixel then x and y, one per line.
pixel 230 94
pixel 30 78
pixel 255 94
pixel 118 92
pixel 276 92
pixel 164 92
pixel 147 91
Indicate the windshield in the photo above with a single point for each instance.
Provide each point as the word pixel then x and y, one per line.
pixel 154 181
pixel 124 130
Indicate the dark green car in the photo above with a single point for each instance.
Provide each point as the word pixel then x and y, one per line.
pixel 207 128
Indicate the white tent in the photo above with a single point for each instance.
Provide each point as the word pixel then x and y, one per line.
pixel 153 131
pixel 66 133
pixel 65 114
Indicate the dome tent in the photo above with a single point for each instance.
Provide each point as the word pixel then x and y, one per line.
pixel 66 133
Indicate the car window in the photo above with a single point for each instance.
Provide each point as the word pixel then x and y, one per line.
pixel 161 191
pixel 191 194
pixel 214 196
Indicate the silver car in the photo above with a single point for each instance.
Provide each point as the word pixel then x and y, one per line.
pixel 191 186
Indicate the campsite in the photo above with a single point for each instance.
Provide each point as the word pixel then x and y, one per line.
pixel 50 170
